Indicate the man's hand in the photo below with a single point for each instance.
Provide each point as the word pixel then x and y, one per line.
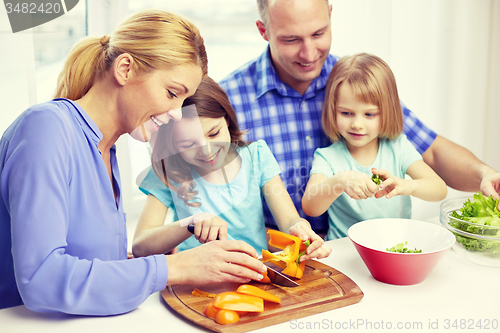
pixel 490 185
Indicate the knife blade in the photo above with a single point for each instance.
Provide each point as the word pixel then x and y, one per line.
pixel 278 278
pixel 274 275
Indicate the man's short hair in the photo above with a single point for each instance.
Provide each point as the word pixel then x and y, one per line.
pixel 263 13
pixel 262 7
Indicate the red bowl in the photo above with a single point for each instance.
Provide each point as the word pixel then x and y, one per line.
pixel 371 238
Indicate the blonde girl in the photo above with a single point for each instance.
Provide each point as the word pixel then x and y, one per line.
pixel 363 118
pixel 62 225
pixel 209 176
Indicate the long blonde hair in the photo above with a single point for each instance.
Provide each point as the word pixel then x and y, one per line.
pixel 372 82
pixel 156 39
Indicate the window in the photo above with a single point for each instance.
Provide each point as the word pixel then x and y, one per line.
pixel 31 60
pixel 51 43
pixel 228 28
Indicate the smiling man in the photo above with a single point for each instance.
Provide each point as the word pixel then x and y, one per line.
pixel 298 44
pixel 279 97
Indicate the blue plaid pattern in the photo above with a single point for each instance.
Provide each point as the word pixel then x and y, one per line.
pixel 419 135
pixel 290 123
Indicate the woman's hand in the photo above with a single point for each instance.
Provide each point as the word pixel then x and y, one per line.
pixel 317 249
pixel 392 186
pixel 357 185
pixel 209 227
pixel 214 262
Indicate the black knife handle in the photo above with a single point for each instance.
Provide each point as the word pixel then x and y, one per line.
pixel 191 229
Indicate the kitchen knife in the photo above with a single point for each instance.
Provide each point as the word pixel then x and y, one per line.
pixel 278 278
pixel 274 275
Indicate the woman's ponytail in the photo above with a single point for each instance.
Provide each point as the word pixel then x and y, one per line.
pixel 156 39
pixel 84 64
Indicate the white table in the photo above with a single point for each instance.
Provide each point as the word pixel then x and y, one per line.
pixel 457 296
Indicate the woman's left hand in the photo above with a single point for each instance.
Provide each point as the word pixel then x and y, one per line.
pixel 317 249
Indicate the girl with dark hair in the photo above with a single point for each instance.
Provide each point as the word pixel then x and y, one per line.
pixel 209 176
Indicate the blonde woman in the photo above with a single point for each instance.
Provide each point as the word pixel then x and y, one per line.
pixel 62 223
pixel 363 118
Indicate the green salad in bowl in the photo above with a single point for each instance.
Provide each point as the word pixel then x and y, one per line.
pixel 475 221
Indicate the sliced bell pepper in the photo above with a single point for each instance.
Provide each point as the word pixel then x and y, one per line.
pixel 238 302
pixel 265 278
pixel 292 247
pixel 225 317
pixel 248 289
pixel 210 310
pixel 199 293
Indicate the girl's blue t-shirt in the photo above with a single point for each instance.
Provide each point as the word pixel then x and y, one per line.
pixel 394 156
pixel 239 202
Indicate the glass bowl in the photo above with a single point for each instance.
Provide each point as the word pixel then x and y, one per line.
pixel 371 238
pixel 479 243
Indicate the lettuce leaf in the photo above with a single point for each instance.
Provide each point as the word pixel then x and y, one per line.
pixel 483 217
pixel 482 211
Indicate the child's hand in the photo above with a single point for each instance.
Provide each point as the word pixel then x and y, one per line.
pixel 317 249
pixel 392 186
pixel 358 185
pixel 209 227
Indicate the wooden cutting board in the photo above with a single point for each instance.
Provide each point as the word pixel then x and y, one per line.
pixel 322 288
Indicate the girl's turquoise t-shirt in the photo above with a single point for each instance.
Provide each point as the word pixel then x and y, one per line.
pixel 239 203
pixel 394 156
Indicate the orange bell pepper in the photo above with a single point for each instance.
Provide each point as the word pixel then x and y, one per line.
pixel 248 289
pixel 265 278
pixel 225 317
pixel 222 316
pixel 238 302
pixel 228 307
pixel 199 293
pixel 210 310
pixel 292 247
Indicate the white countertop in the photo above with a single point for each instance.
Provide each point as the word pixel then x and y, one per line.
pixel 458 295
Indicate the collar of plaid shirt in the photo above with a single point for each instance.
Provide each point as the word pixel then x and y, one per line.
pixel 267 77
